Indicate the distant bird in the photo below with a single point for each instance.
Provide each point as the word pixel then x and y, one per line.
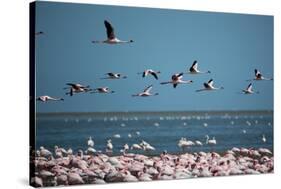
pixel 183 143
pixel 259 76
pixel 76 88
pixel 117 136
pixel 112 75
pixel 199 143
pixel 44 152
pixel 126 148
pixel 111 38
pixel 39 33
pixel 150 72
pixel 136 147
pixel 146 146
pixel 90 142
pixel 102 90
pixel 90 151
pixel 109 146
pixel 210 141
pixel 146 92
pixel 176 79
pixel 263 138
pixel 46 98
pixel 249 90
pixel 209 86
pixel 194 69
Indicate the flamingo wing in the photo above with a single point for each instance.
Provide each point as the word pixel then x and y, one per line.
pixel 109 30
pixel 194 66
pixel 154 75
pixel 147 89
pixel 250 87
pixel 111 74
pixel 210 82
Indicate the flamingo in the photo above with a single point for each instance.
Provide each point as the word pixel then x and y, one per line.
pixel 176 79
pixel 76 88
pixel 90 142
pixel 111 38
pixel 46 98
pixel 183 143
pixel 117 136
pixel 199 143
pixel 90 151
pixel 211 141
pixel 209 86
pixel 146 92
pixel 126 148
pixel 150 72
pixel 102 90
pixel 112 75
pixel 44 152
pixel 136 147
pixel 259 76
pixel 62 151
pixel 249 90
pixel 109 146
pixel 194 69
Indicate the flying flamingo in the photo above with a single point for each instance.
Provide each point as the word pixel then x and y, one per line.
pixel 150 72
pixel 146 92
pixel 176 79
pixel 102 90
pixel 112 75
pixel 76 88
pixel 194 69
pixel 111 38
pixel 209 86
pixel 46 98
pixel 249 90
pixel 259 76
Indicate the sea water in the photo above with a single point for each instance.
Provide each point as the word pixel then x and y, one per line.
pixel 162 130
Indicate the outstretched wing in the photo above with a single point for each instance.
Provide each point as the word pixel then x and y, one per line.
pixel 110 74
pixel 144 74
pixel 147 89
pixel 206 85
pixel 250 87
pixel 176 76
pixel 258 73
pixel 154 75
pixel 194 66
pixel 210 82
pixel 109 30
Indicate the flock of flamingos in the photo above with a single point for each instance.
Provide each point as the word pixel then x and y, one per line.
pixel 175 80
pixel 64 168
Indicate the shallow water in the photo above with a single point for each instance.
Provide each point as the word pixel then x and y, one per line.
pixel 161 130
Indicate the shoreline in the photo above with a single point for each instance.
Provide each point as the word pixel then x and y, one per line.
pixel 64 168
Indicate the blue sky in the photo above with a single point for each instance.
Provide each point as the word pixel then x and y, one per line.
pixel 231 46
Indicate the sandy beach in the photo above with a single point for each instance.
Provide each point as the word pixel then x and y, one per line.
pixel 66 168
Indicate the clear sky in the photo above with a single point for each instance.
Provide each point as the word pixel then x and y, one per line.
pixel 231 46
